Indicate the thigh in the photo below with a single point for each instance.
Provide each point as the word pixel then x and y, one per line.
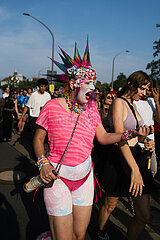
pixel 61 227
pixel 81 218
pixel 142 206
pixel 83 196
pixel 58 199
pixel 111 202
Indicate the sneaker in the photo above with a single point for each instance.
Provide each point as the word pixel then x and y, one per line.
pixel 103 236
pixel 9 139
pixel 4 139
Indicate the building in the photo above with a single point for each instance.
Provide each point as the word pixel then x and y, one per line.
pixel 16 77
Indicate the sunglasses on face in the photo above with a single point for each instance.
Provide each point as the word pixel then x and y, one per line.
pixel 110 97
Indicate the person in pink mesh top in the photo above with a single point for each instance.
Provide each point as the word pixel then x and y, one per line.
pixel 69 200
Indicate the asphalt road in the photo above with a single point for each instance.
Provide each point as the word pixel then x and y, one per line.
pixel 23 219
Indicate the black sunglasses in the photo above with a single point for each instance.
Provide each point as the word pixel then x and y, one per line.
pixel 110 97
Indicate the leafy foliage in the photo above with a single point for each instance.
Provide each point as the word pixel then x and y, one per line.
pixel 154 66
pixel 120 82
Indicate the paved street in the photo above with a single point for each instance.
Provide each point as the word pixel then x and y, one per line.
pixel 21 219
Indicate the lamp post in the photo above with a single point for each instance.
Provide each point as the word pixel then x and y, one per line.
pixel 41 70
pixel 113 64
pixel 27 14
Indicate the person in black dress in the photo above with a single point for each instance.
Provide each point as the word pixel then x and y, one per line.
pixel 125 157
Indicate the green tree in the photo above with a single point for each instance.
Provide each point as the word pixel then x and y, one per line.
pixel 154 66
pixel 120 82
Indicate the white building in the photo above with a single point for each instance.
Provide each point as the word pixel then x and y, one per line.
pixel 18 78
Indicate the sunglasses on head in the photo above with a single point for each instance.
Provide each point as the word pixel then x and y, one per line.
pixel 110 97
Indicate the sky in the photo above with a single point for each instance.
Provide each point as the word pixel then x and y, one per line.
pixel 112 28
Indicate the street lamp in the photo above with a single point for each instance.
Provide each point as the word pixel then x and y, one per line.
pixel 27 14
pixel 41 70
pixel 113 65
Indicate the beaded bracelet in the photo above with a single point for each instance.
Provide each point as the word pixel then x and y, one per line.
pixel 127 135
pixel 42 161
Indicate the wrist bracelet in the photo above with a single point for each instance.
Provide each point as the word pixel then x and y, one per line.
pixel 127 135
pixel 42 161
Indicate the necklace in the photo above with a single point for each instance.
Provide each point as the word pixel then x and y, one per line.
pixel 75 107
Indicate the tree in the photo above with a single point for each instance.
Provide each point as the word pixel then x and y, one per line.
pixel 154 66
pixel 120 82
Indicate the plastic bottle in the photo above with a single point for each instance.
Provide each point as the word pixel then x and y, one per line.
pixel 33 184
pixel 37 182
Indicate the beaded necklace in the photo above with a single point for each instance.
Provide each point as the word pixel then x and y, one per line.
pixel 77 108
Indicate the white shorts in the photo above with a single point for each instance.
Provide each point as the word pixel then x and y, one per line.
pixel 59 199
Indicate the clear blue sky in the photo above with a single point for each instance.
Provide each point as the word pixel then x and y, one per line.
pixel 112 27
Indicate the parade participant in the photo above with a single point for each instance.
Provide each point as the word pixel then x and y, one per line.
pixel 35 103
pixel 118 170
pixel 7 116
pixel 69 200
pixel 149 108
pixel 20 104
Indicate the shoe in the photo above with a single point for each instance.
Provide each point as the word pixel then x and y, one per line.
pixel 103 236
pixel 4 139
pixel 9 139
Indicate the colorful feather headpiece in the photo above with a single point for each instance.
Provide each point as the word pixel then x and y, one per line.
pixel 76 68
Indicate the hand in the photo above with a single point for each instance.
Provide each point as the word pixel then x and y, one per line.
pixel 142 131
pixel 47 175
pixel 137 184
pixel 19 117
pixel 155 92
pixel 149 144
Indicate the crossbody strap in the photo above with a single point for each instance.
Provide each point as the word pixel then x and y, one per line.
pixel 60 163
pixel 132 109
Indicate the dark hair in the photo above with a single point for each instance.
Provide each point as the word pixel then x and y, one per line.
pixel 135 81
pixel 42 81
pixel 138 78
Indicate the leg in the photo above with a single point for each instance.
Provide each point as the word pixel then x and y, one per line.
pixel 109 205
pixel 61 227
pixel 141 218
pixel 58 203
pixel 81 218
pixel 82 200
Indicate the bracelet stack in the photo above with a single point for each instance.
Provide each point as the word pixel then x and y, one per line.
pixel 42 161
pixel 127 135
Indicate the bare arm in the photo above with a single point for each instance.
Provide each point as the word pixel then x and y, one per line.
pixel 16 108
pixel 38 145
pixel 105 138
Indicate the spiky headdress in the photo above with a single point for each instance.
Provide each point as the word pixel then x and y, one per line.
pixel 76 68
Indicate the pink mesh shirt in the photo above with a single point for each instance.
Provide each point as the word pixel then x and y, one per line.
pixel 59 124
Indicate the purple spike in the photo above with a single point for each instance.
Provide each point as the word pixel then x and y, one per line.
pixel 59 77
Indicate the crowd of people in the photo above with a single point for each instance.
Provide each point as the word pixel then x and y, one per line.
pixel 114 129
